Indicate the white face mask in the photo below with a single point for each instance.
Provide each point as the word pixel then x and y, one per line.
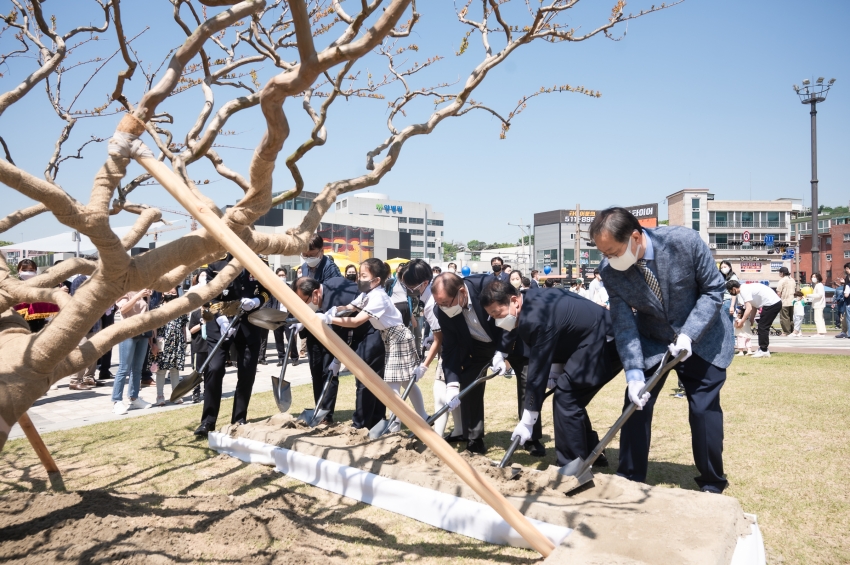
pixel 452 311
pixel 311 261
pixel 815 280
pixel 507 323
pixel 626 260
pixel 516 283
pixel 724 270
pixel 312 306
pixel 26 275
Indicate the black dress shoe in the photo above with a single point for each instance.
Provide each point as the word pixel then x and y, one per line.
pixel 476 446
pixel 601 461
pixel 240 422
pixel 711 489
pixel 535 448
pixel 279 363
pixel 454 438
pixel 204 430
pixel 263 362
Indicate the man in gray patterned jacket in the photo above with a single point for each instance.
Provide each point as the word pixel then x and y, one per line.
pixel 666 293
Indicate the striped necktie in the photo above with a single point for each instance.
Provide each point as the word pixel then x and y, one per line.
pixel 650 279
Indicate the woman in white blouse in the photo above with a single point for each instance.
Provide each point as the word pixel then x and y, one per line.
pixel 818 301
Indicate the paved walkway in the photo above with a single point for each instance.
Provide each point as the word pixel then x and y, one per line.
pixel 64 408
pixel 810 343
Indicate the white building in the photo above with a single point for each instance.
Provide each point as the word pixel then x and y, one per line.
pixel 750 234
pixel 364 225
pixel 415 218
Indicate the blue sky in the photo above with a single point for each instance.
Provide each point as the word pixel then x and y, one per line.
pixel 695 96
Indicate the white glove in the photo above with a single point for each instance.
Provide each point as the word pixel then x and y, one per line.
pixel 525 426
pixel 426 343
pixel 452 390
pixel 296 328
pixel 418 372
pixel 334 367
pixel 249 304
pixel 555 371
pixel 634 390
pixel 498 364
pixel 683 343
pixel 325 317
pixel 225 326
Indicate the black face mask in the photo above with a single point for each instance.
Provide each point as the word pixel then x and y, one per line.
pixel 168 297
pixel 351 277
pixel 496 268
pixel 364 286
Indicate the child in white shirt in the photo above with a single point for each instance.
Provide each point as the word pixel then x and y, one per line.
pixel 799 311
pixel 376 307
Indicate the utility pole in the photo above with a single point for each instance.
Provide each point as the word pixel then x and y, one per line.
pixel 578 242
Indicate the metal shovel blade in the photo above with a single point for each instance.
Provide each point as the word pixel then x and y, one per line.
pixel 578 469
pixel 268 318
pixel 186 385
pixel 280 387
pixel 282 393
pixel 313 417
pixel 383 426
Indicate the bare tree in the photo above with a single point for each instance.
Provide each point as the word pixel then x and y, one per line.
pixel 223 52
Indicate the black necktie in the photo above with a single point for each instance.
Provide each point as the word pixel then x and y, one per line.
pixel 650 279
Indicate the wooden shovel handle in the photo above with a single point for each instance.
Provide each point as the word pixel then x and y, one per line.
pixel 37 444
pixel 222 233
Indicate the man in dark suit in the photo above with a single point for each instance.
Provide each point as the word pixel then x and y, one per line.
pixel 365 340
pixel 569 346
pixel 245 292
pixel 535 274
pixel 665 292
pixel 470 343
pixel 496 264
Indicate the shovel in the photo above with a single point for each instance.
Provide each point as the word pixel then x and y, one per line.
pixel 515 443
pixel 381 427
pixel 313 417
pixel 280 388
pixel 580 468
pixel 445 408
pixel 193 380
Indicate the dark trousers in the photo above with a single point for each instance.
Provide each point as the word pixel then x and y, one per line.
pixel 368 409
pixel 280 344
pixel 786 319
pixel 319 359
pixel 247 342
pixel 574 433
pixel 768 314
pixel 702 382
pixel 472 405
pixel 198 358
pixel 264 343
pixel 105 361
pixel 520 367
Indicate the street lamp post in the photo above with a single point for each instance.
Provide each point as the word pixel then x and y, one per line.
pixel 522 227
pixel 812 94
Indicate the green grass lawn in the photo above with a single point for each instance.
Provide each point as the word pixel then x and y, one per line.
pixel 787 427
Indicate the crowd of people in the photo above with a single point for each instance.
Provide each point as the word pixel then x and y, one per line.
pixel 662 291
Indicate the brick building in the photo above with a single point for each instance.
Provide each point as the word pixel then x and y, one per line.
pixel 834 234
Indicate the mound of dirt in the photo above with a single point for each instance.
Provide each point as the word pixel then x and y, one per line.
pixel 615 520
pixel 102 527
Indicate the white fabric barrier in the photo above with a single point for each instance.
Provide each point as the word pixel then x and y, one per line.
pixel 442 510
pixel 749 550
